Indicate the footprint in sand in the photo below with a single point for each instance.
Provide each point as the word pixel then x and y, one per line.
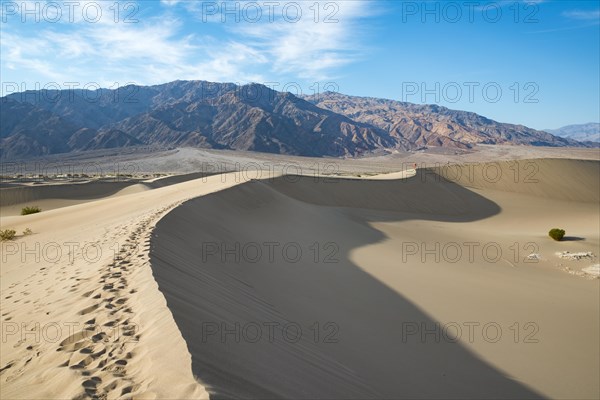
pixel 89 309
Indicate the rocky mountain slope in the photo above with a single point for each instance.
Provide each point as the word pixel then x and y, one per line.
pixel 251 117
pixel 416 125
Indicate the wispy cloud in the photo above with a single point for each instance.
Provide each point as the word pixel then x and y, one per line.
pixel 315 46
pixel 578 19
pixel 309 40
pixel 504 3
pixel 585 15
pixel 170 2
pixel 161 47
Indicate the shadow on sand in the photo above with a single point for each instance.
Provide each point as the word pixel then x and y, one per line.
pixel 92 190
pixel 231 292
pixel 572 239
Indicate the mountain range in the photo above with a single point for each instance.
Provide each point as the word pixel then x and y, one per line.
pixel 589 132
pixel 250 117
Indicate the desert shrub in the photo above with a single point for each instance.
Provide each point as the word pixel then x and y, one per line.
pixel 7 234
pixel 556 234
pixel 27 231
pixel 30 210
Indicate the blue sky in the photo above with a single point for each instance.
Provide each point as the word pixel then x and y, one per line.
pixel 535 63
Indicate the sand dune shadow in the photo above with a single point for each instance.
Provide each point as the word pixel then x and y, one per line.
pixel 260 283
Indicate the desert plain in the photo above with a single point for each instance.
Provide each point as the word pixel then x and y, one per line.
pixel 224 274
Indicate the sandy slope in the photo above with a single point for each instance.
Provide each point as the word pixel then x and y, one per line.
pixel 81 313
pixel 58 195
pixel 374 282
pixel 103 328
pixel 572 180
pixel 53 196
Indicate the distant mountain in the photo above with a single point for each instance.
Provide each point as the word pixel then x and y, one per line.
pixel 251 117
pixel 431 125
pixel 98 108
pixel 589 132
pixel 259 119
pixel 27 130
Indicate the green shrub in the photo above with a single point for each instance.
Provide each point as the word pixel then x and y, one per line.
pixel 27 231
pixel 556 234
pixel 7 234
pixel 30 210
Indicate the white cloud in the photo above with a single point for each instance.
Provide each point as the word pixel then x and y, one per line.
pixel 161 47
pixel 170 2
pixel 586 15
pixel 316 45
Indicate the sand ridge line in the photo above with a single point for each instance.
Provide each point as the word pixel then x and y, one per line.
pixel 38 293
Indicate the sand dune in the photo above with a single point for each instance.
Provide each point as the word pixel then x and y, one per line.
pixel 50 197
pixel 573 180
pixel 372 364
pixel 379 311
pixel 81 314
pixel 68 191
pixel 373 297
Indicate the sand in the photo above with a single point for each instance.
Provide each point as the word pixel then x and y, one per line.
pixel 58 195
pixel 81 313
pixel 379 313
